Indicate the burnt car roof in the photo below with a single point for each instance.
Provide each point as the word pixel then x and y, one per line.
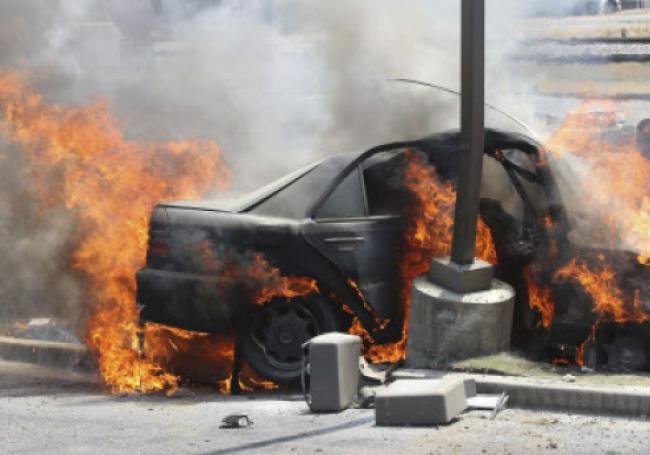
pixel 299 193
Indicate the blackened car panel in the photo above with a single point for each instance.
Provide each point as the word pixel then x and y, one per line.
pixel 295 201
pixel 180 286
pixel 366 249
pixel 324 221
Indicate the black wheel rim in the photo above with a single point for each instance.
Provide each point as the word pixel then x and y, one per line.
pixel 280 329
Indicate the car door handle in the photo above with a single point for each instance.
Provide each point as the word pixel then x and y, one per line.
pixel 339 240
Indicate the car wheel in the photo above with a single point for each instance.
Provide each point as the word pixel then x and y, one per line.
pixel 272 341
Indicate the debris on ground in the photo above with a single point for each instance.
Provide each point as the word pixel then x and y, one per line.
pixel 494 403
pixel 45 329
pixel 236 421
pixel 420 402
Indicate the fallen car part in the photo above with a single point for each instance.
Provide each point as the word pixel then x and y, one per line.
pixel 420 402
pixel 332 363
pixel 494 403
pixel 373 373
pixel 236 421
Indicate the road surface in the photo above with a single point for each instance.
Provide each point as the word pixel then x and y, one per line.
pixel 49 411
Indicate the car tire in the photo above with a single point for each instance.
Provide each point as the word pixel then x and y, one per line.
pixel 272 338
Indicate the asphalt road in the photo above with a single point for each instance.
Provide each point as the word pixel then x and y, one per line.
pixel 47 411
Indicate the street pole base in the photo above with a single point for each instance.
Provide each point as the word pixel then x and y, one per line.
pixel 447 326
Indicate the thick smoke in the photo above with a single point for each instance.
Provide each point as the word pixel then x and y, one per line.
pixel 35 242
pixel 277 83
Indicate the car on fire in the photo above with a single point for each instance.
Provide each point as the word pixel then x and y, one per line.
pixel 339 221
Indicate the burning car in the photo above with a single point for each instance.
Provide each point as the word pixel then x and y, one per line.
pixel 339 225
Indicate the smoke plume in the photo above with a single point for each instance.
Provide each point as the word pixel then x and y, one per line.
pixel 276 83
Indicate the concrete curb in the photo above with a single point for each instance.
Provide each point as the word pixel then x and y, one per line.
pixel 49 353
pixel 553 394
pixel 530 393
pixel 569 397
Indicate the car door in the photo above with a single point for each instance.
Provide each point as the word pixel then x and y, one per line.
pixel 366 248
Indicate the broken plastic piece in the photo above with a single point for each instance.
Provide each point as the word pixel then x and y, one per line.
pixel 376 373
pixel 236 421
pixel 494 403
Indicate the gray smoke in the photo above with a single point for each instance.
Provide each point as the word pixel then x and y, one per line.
pixel 277 83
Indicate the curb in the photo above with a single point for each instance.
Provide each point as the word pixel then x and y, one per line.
pixel 49 353
pixel 552 394
pixel 568 397
pixel 529 393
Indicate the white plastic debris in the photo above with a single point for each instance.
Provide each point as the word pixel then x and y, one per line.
pixel 569 378
pixel 494 403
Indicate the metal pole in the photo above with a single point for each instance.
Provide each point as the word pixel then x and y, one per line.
pixel 472 131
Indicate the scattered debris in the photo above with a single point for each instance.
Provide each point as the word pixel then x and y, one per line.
pixel 420 401
pixel 569 378
pixel 366 397
pixel 236 421
pixel 376 373
pixel 332 363
pixel 494 403
pixel 45 329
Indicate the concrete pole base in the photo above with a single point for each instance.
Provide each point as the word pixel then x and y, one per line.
pixel 446 325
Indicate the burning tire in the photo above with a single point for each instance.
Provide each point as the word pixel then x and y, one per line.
pixel 274 337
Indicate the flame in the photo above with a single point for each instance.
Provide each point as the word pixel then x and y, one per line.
pixel 276 285
pixel 262 281
pixel 540 298
pixel 201 357
pixel 428 234
pixel 615 182
pixel 600 282
pixel 78 157
pixel 613 185
pixel 250 381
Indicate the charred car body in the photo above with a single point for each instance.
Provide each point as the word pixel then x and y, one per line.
pixel 339 221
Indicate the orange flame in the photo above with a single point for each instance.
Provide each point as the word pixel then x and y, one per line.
pixel 614 187
pixel 250 381
pixel 263 282
pixel 277 285
pixel 428 234
pixel 601 284
pixel 615 182
pixel 540 298
pixel 78 157
pixel 200 357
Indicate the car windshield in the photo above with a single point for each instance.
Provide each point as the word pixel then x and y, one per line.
pixel 245 202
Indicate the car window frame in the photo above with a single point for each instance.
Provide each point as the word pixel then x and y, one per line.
pixel 262 194
pixel 360 159
pixel 354 167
